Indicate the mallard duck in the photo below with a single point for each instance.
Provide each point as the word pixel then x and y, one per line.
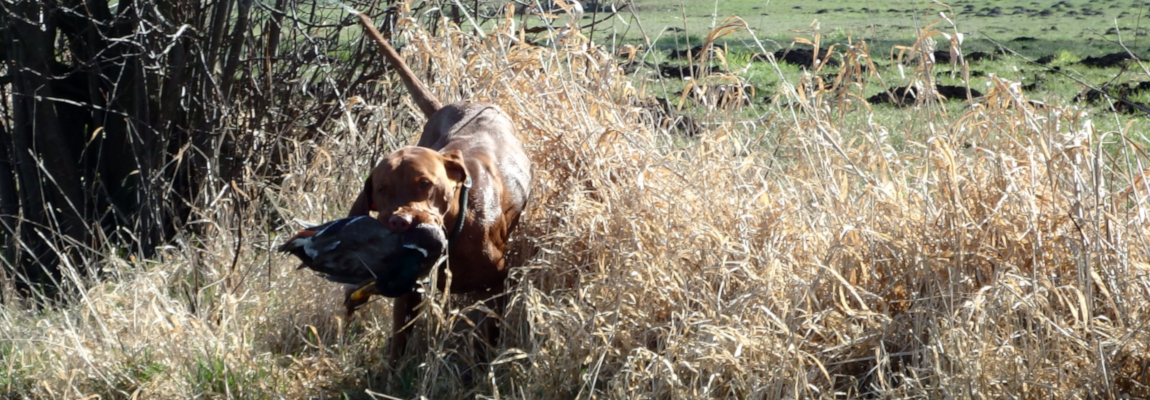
pixel 362 252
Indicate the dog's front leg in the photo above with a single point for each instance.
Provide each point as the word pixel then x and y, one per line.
pixel 403 310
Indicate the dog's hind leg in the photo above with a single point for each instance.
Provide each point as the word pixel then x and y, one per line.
pixel 489 325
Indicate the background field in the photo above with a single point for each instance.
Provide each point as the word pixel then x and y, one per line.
pixel 805 243
pixel 1070 32
pixel 1059 34
pixel 1077 25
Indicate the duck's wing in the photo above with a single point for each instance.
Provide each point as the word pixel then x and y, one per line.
pixel 308 243
pixel 404 270
pixel 356 260
pixel 348 266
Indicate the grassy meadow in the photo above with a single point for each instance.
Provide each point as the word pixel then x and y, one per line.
pixel 797 242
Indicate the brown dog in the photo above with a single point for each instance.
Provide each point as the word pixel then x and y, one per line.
pixel 465 140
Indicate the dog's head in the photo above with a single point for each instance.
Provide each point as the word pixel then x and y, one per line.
pixel 412 180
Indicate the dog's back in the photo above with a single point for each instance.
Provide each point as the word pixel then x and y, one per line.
pixel 501 176
pixel 482 131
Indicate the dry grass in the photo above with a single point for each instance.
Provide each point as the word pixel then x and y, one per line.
pixel 1000 253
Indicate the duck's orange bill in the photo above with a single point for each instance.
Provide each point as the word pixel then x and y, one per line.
pixel 359 297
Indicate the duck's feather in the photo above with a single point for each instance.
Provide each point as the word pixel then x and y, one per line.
pixel 360 251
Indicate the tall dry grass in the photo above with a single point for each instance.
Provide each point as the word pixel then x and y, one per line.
pixel 999 253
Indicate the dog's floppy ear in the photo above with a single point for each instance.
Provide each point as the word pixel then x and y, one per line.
pixel 362 202
pixel 453 163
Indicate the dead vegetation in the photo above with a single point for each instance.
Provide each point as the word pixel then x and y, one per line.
pixel 996 253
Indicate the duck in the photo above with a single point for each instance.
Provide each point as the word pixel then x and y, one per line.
pixel 363 254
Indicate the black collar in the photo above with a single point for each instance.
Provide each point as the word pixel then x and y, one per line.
pixel 462 211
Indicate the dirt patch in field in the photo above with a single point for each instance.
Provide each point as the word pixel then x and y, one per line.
pixel 909 94
pixel 683 54
pixel 667 117
pixel 943 56
pixel 721 96
pixel 1121 97
pixel 636 66
pixel 1107 61
pixel 980 56
pixel 684 71
pixel 801 57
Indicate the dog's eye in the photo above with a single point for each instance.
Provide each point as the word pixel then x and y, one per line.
pixel 424 184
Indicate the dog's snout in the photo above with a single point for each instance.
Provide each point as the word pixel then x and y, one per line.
pixel 399 223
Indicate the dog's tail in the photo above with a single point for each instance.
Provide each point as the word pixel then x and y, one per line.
pixel 423 97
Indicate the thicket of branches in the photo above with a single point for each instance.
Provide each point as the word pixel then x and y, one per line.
pixel 125 118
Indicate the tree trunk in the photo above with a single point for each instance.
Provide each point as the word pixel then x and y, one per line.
pixel 45 163
pixel 9 194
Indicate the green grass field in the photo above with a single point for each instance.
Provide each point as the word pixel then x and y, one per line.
pixel 1084 28
pixel 1063 32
